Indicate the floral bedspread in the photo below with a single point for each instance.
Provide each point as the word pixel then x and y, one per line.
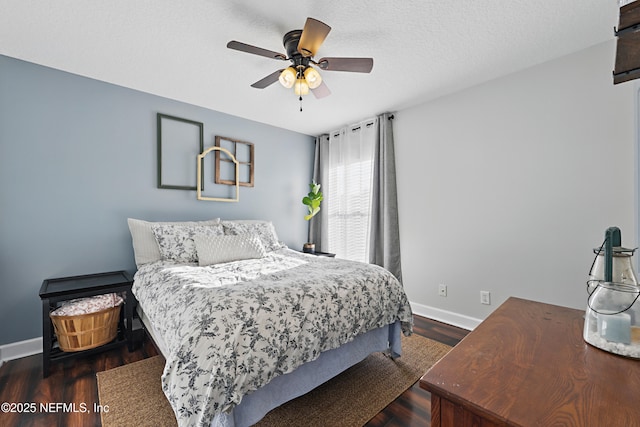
pixel 230 328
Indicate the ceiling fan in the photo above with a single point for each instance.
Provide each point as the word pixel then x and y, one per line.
pixel 301 47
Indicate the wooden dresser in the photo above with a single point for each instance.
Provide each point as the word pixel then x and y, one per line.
pixel 527 365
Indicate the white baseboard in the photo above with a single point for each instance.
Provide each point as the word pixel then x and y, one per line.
pixel 449 317
pixel 19 349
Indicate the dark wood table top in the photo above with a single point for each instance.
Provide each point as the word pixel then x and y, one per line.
pixel 528 365
pixel 89 282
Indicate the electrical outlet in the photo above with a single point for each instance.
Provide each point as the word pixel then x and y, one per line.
pixel 485 297
pixel 442 290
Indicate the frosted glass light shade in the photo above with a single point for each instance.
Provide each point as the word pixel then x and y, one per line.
pixel 287 77
pixel 301 87
pixel 313 78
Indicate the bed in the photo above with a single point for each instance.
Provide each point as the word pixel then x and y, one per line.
pixel 246 324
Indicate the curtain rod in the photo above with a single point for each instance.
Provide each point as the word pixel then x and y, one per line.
pixel 391 117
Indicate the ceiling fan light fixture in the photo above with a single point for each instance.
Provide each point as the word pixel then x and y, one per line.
pixel 288 77
pixel 301 87
pixel 313 77
pixel 301 47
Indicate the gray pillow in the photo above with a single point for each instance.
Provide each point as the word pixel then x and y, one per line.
pixel 218 249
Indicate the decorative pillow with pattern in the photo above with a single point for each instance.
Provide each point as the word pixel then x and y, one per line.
pixel 145 246
pixel 265 231
pixel 218 249
pixel 176 241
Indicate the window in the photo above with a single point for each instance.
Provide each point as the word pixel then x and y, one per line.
pixel 348 191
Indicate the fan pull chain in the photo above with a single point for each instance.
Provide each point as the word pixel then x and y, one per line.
pixel 300 102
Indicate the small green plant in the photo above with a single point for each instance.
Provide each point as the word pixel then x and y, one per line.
pixel 312 200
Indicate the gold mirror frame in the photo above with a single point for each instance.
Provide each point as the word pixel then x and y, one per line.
pixel 200 162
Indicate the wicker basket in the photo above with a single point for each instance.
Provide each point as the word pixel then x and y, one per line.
pixel 85 331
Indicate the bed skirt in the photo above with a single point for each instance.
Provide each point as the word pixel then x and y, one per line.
pixel 281 389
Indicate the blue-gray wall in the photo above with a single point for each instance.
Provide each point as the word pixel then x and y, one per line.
pixel 78 156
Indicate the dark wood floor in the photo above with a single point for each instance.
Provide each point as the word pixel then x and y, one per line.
pixel 413 407
pixel 74 381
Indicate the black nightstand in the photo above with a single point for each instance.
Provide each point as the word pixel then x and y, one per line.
pixel 53 291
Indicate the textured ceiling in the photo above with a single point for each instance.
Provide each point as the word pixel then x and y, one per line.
pixel 422 49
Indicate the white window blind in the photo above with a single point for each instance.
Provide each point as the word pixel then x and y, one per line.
pixel 348 192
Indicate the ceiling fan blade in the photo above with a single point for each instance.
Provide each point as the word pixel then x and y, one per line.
pixel 243 47
pixel 355 65
pixel 321 91
pixel 313 34
pixel 267 81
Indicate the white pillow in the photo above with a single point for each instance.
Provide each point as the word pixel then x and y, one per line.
pixel 145 247
pixel 176 241
pixel 265 231
pixel 219 249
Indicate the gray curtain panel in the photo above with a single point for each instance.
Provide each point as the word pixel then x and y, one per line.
pixel 384 240
pixel 319 223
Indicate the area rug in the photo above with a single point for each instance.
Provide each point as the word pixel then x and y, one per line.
pixel 134 396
